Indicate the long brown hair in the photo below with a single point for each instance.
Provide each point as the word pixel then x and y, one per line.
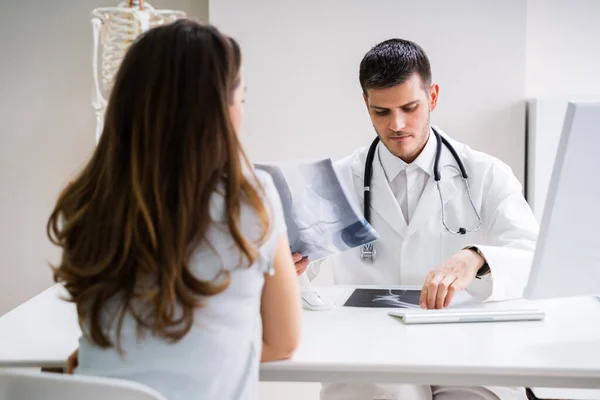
pixel 127 225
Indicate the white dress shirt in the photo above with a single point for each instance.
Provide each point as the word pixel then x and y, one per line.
pixel 408 181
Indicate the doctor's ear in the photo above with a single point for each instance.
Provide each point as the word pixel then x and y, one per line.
pixel 434 91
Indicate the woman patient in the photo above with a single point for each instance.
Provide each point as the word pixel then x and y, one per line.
pixel 174 249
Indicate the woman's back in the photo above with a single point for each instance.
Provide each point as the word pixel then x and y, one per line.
pixel 173 248
pixel 219 357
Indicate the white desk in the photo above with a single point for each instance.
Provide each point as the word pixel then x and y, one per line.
pixel 41 332
pixel 367 345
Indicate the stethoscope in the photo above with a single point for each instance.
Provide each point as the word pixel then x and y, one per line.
pixel 368 251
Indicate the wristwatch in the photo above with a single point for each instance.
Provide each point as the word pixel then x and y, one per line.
pixel 485 268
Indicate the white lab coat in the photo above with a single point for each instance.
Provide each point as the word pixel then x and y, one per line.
pixel 407 252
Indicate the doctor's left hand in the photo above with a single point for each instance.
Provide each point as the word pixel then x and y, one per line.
pixel 452 275
pixel 301 263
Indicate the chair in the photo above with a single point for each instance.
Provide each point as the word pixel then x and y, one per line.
pixel 29 385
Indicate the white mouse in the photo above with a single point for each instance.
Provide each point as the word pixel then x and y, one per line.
pixel 312 301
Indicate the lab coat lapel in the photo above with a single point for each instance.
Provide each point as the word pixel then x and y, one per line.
pixel 383 201
pixel 430 203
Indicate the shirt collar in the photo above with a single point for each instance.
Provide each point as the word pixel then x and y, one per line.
pixel 393 165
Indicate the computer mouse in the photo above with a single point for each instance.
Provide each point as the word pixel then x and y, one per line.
pixel 312 301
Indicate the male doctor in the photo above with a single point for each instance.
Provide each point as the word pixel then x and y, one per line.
pixel 415 247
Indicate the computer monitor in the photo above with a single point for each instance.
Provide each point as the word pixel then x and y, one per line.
pixel 567 256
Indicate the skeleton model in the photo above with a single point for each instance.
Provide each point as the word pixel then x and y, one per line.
pixel 115 28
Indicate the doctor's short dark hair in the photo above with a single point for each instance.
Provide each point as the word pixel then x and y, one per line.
pixel 391 63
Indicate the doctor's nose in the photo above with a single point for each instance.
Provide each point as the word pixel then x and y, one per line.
pixel 397 122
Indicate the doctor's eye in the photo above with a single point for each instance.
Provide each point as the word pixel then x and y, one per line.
pixel 382 113
pixel 410 109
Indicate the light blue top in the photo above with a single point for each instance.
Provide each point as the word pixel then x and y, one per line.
pixel 219 358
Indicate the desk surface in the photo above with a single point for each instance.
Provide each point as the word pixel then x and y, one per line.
pixel 367 345
pixel 43 331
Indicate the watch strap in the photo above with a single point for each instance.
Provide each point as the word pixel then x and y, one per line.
pixel 485 268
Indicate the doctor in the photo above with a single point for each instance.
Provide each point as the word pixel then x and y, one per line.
pixel 476 235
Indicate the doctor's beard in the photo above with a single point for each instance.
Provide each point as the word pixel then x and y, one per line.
pixel 406 148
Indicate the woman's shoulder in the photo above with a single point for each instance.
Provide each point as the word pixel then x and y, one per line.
pixel 264 178
pixel 265 181
pixel 271 186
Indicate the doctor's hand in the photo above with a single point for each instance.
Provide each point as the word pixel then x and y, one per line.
pixel 301 263
pixel 452 275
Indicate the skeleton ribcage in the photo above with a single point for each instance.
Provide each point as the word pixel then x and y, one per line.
pixel 115 28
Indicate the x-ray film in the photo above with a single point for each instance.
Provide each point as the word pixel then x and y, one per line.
pixel 320 218
pixel 384 298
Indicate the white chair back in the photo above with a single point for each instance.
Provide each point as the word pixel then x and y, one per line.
pixel 30 385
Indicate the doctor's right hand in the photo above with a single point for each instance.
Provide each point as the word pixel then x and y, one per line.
pixel 451 276
pixel 301 263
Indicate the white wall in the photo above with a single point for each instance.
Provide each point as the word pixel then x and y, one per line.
pixel 563 48
pixel 47 126
pixel 47 131
pixel 563 63
pixel 301 66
